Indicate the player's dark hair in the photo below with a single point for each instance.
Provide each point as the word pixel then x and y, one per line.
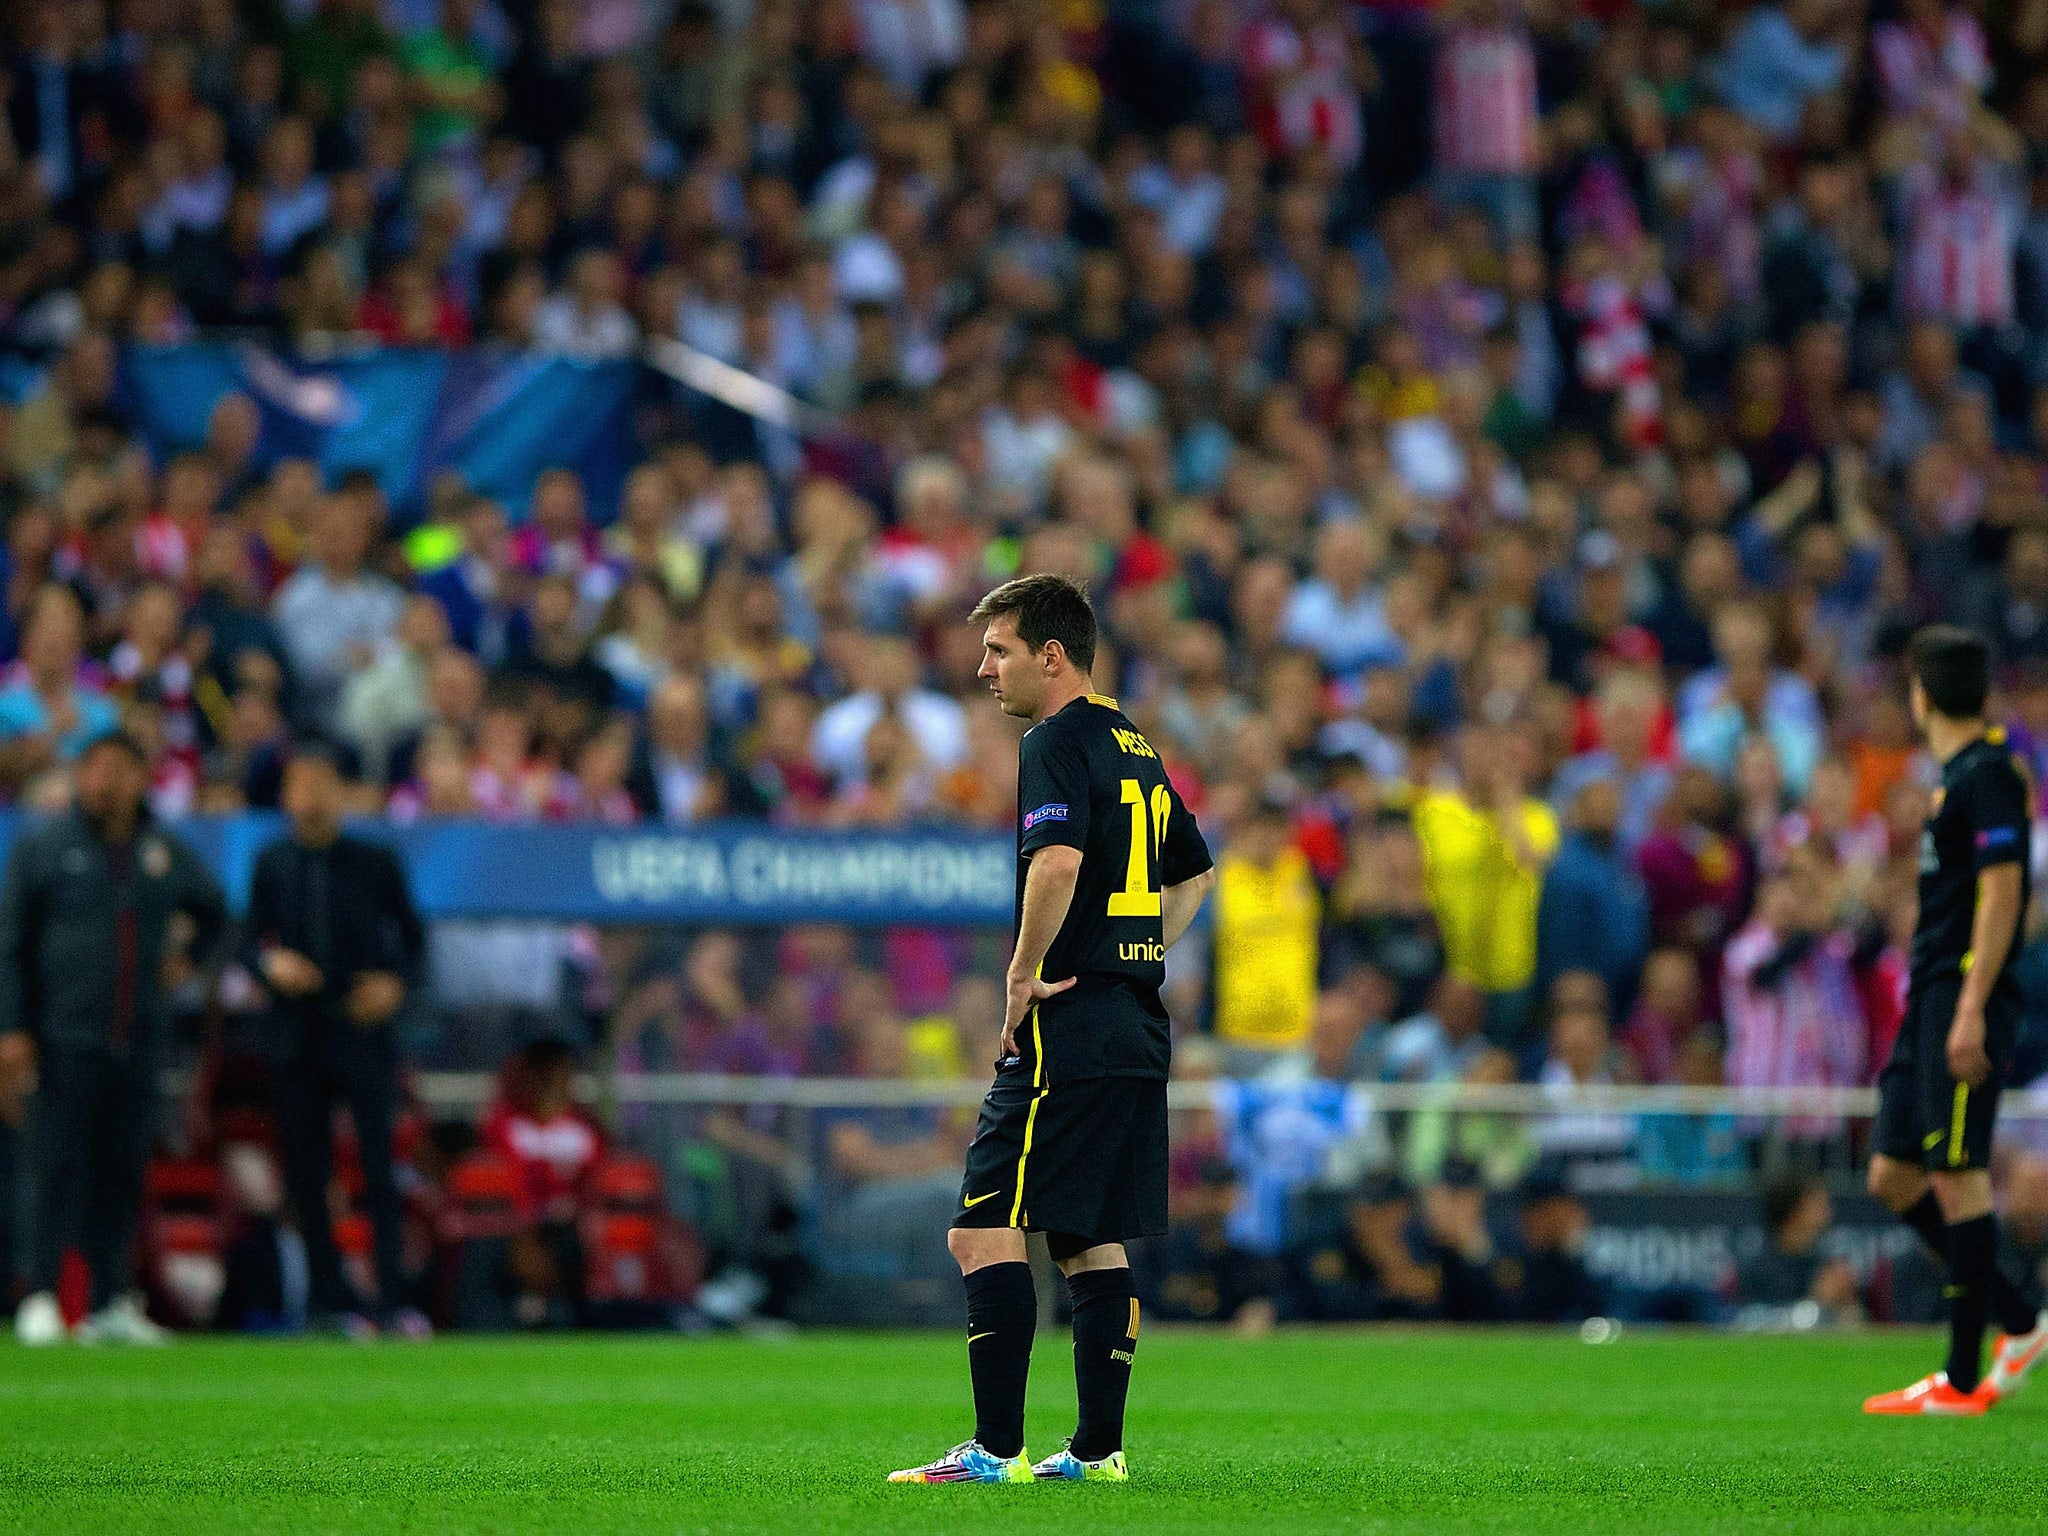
pixel 1046 607
pixel 1954 670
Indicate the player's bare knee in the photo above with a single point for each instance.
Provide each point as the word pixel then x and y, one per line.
pixel 1962 1195
pixel 1101 1256
pixel 977 1247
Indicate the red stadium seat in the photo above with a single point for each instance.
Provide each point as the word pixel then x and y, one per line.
pixel 483 1199
pixel 187 1183
pixel 625 1183
pixel 352 1235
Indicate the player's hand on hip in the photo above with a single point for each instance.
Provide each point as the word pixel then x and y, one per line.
pixel 1967 1060
pixel 1024 993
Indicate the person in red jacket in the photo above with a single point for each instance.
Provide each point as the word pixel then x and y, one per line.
pixel 536 1127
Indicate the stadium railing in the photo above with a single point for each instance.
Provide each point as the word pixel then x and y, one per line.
pixel 466 1090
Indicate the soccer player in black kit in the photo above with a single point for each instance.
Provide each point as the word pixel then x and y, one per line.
pixel 1072 1136
pixel 1938 1095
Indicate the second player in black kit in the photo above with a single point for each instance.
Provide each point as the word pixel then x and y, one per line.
pixel 1938 1094
pixel 1072 1138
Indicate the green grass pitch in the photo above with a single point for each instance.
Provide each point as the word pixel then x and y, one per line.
pixel 1369 1430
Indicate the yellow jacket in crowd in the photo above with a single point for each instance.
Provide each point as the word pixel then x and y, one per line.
pixel 1267 918
pixel 1484 884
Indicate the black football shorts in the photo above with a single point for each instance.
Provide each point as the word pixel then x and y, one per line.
pixel 1925 1115
pixel 1084 1159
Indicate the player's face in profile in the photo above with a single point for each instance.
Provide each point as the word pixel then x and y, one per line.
pixel 1014 672
pixel 1916 699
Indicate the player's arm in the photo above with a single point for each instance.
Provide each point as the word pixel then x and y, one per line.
pixel 1178 905
pixel 1048 891
pixel 1186 871
pixel 1991 932
pixel 1053 805
pixel 2000 826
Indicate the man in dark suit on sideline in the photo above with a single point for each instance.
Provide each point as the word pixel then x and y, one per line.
pixel 334 936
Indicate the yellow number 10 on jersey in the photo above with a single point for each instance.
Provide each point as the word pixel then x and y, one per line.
pixel 1140 896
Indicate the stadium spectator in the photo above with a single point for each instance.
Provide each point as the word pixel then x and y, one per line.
pixel 1380 917
pixel 1591 1145
pixel 1556 1286
pixel 1373 1268
pixel 1794 1017
pixel 334 613
pixel 552 1147
pixel 1629 715
pixel 1443 1042
pixel 1265 926
pixel 1666 1016
pixel 893 1173
pixel 1497 1146
pixel 1196 1274
pixel 53 706
pixel 387 700
pixel 934 721
pixel 1694 1149
pixel 1696 871
pixel 332 933
pixel 1779 58
pixel 1792 1266
pixel 1485 845
pixel 1743 698
pixel 1477 1275
pixel 102 914
pixel 674 778
pixel 1594 914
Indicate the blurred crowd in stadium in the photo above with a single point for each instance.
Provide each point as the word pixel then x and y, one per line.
pixel 1509 444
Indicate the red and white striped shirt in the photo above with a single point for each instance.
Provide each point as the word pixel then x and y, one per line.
pixel 1960 245
pixel 1615 354
pixel 1940 76
pixel 1301 88
pixel 1486 102
pixel 1805 1030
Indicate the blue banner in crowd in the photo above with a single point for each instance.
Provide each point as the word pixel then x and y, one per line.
pixel 720 872
pixel 496 417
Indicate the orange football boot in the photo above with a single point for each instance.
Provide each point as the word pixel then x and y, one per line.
pixel 2015 1354
pixel 1932 1394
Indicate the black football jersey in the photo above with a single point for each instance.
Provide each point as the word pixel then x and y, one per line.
pixel 1087 778
pixel 1979 819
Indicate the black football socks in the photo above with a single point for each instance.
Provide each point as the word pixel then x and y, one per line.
pixel 2009 1305
pixel 1972 1255
pixel 1105 1339
pixel 1002 1315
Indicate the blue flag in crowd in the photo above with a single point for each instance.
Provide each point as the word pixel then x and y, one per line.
pixel 498 418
